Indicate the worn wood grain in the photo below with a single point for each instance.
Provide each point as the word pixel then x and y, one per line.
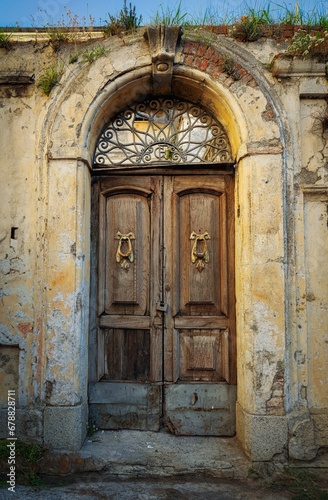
pixel 161 319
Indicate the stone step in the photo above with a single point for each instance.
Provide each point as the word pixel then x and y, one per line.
pixel 151 454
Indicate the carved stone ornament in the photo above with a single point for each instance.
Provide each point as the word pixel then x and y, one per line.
pixel 162 43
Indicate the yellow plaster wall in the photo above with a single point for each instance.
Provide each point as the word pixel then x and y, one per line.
pixel 281 259
pixel 259 280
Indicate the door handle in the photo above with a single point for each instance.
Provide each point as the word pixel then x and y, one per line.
pixel 199 252
pixel 124 252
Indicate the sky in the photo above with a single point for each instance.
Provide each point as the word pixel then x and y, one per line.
pixel 40 13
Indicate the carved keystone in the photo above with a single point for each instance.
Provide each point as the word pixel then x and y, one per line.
pixel 162 43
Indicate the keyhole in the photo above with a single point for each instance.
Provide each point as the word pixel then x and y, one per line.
pixel 124 246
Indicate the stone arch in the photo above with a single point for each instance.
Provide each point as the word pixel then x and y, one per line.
pixel 223 78
pixel 226 81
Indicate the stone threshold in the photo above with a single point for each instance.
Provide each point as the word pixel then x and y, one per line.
pixel 151 454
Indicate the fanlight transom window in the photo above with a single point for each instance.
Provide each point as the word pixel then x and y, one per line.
pixel 164 130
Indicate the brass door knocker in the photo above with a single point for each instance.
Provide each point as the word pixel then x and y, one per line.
pixel 199 252
pixel 124 252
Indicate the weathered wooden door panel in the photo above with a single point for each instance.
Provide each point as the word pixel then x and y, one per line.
pixel 200 331
pixel 125 406
pixel 199 249
pixel 126 354
pixel 202 355
pixel 165 281
pixel 126 253
pixel 126 393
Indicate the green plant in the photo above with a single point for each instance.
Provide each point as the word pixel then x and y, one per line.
pixel 126 20
pixel 34 480
pixel 91 429
pixel 290 16
pixel 247 29
pixel 171 17
pixel 69 28
pixel 302 483
pixel 282 13
pixel 93 54
pixel 57 36
pixel 229 67
pixel 50 78
pixel 73 58
pixel 303 44
pixel 5 39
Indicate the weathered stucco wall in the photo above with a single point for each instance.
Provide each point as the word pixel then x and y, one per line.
pixel 277 125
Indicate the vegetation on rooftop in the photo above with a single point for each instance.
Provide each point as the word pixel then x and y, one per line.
pixel 127 19
pixel 308 37
pixel 5 39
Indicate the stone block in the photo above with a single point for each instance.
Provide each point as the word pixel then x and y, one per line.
pixel 320 422
pixel 65 427
pixel 261 436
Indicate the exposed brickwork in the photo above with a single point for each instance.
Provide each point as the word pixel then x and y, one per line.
pixel 278 32
pixel 25 327
pixel 208 59
pixel 269 113
pixel 275 405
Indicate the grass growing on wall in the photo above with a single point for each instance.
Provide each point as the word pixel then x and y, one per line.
pixel 270 12
pixel 50 78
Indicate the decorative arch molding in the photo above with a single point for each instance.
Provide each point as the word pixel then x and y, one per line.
pixel 246 106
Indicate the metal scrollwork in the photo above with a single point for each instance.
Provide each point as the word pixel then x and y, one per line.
pixel 124 252
pixel 163 130
pixel 199 252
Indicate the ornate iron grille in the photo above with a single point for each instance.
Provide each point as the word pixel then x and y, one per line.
pixel 162 130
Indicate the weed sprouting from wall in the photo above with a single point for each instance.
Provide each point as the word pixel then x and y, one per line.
pixel 50 78
pixel 171 17
pixel 126 20
pixel 69 29
pixel 304 44
pixel 5 42
pixel 229 67
pixel 93 54
pixel 248 29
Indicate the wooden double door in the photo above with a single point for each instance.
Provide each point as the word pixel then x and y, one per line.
pixel 163 341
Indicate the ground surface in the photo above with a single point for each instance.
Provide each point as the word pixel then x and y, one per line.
pixel 140 465
pixel 288 484
pixel 161 489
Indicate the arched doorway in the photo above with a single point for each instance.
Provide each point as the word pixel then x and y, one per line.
pixel 163 311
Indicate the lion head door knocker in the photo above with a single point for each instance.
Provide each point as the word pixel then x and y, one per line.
pixel 199 252
pixel 124 252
